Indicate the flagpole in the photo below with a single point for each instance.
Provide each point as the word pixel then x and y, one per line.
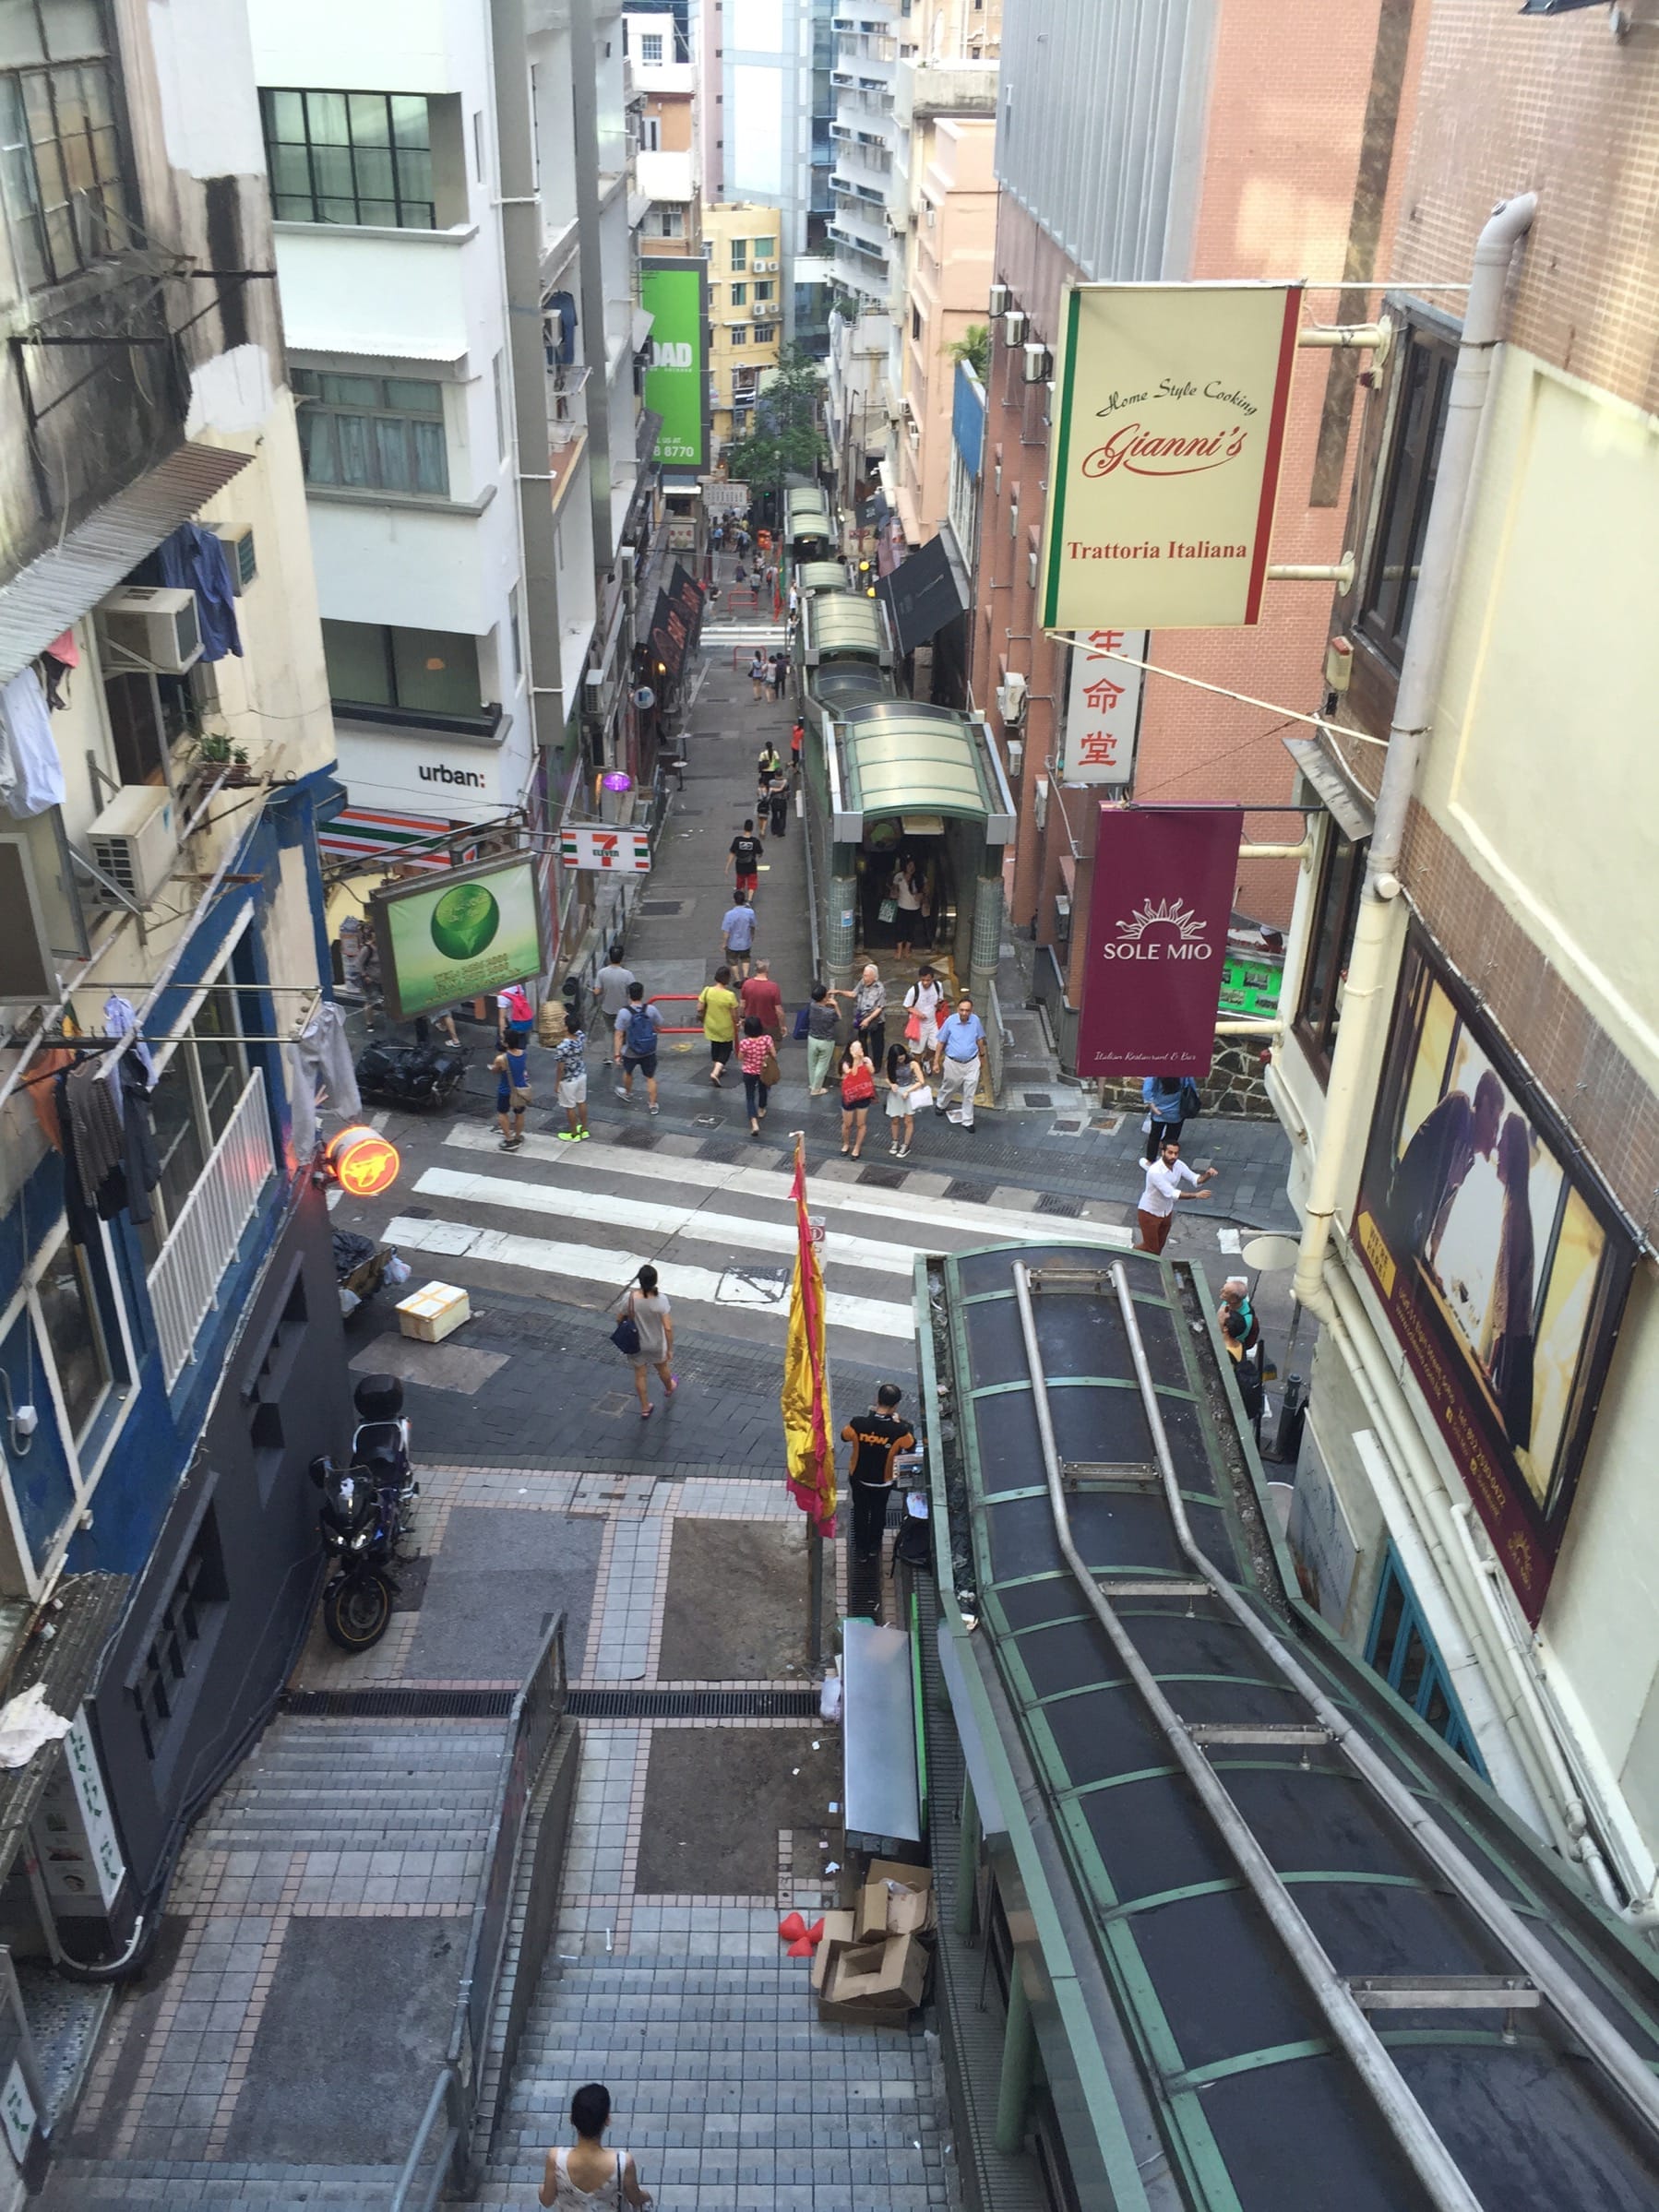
pixel 815 1542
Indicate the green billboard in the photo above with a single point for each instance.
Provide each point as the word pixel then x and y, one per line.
pixel 462 934
pixel 675 295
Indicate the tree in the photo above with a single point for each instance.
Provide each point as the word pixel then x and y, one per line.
pixel 784 437
pixel 974 347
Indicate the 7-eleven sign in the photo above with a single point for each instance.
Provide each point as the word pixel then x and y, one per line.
pixel 616 852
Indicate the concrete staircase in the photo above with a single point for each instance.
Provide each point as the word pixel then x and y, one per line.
pixel 359 1785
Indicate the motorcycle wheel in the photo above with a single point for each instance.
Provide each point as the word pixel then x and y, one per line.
pixel 356 1610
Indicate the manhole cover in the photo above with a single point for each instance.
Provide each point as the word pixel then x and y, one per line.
pixel 753 1286
pixel 1038 1098
pixel 1065 1128
pixel 1050 1202
pixel 659 908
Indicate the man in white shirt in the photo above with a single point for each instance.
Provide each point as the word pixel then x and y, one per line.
pixel 1165 1177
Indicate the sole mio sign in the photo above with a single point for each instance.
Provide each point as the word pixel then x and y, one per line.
pixel 1157 939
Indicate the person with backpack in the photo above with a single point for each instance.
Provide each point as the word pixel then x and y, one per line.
pixel 756 666
pixel 511 1068
pixel 635 1046
pixel 514 1018
pixel 1170 1100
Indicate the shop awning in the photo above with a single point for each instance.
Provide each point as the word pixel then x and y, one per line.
pixel 843 626
pixel 899 757
pixel 821 576
pixel 65 1668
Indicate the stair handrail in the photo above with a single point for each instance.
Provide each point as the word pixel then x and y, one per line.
pixel 445 2097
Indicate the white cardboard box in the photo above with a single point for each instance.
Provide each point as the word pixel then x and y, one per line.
pixel 434 1312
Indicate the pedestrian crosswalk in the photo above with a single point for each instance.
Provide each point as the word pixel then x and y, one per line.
pixel 578 1220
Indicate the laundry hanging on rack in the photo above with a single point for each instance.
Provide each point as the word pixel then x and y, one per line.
pixel 320 1063
pixel 194 559
pixel 31 775
pixel 119 1017
pixel 110 1164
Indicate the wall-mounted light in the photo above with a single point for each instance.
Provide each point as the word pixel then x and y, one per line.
pixel 1014 326
pixel 617 780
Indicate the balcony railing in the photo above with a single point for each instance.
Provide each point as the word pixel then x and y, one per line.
pixel 184 1283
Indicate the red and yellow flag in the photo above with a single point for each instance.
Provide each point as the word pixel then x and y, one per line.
pixel 808 1435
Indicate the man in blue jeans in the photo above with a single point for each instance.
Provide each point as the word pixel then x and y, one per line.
pixel 737 934
pixel 961 1048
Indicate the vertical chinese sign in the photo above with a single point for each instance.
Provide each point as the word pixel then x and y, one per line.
pixel 1103 707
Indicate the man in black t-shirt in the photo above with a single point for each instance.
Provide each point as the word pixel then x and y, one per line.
pixel 877 1438
pixel 744 854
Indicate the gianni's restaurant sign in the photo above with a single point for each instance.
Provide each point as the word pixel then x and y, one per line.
pixel 1168 423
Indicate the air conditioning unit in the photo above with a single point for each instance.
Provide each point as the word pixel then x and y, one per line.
pixel 239 552
pixel 765 268
pixel 1010 701
pixel 133 841
pixel 1014 326
pixel 1039 803
pixel 1062 917
pixel 1016 758
pixel 156 625
pixel 1039 362
pixel 1001 300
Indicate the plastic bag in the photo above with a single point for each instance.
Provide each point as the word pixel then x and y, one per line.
pixel 829 1698
pixel 397 1269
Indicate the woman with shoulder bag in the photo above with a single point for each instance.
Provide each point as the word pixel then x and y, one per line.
pixel 755 1057
pixel 644 1336
pixel 857 1089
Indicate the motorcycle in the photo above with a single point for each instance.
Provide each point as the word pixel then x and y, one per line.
pixel 368 1508
pixel 421 1078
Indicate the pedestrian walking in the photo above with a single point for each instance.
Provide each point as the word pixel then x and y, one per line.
pixel 756 666
pixel 591 2176
pixel 877 1438
pixel 513 1093
pixel 777 804
pixel 797 747
pixel 743 856
pixel 1241 1333
pixel 869 1011
pixel 755 1051
pixel 1170 1100
pixel 634 1049
pixel 612 985
pixel 1168 1181
pixel 737 933
pixel 857 1089
pixel 907 1094
pixel 570 1059
pixel 717 1010
pixel 908 891
pixel 762 999
pixel 653 1317
pixel 766 768
pixel 923 1003
pixel 961 1054
pixel 779 675
pixel 822 1023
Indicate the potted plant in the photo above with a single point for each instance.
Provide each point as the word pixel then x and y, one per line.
pixel 220 760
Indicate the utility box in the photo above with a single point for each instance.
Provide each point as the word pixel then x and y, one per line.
pixel 434 1312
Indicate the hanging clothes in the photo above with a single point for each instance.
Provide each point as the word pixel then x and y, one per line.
pixel 43 1092
pixel 194 559
pixel 79 1210
pixel 96 1121
pixel 31 775
pixel 558 324
pixel 320 1066
pixel 119 1017
pixel 127 1186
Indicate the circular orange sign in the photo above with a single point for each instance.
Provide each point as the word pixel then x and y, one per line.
pixel 365 1162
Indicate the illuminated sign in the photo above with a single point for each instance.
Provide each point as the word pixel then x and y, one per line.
pixel 365 1162
pixel 464 934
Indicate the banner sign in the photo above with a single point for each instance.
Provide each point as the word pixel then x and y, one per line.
pixel 1168 423
pixel 1157 939
pixel 675 294
pixel 615 851
pixel 1501 1264
pixel 1103 709
pixel 472 932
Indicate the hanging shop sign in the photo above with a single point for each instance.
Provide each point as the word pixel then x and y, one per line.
pixel 365 1162
pixel 1157 931
pixel 471 932
pixel 1168 413
pixel 675 294
pixel 1501 1263
pixel 613 852
pixel 1103 709
pixel 75 1840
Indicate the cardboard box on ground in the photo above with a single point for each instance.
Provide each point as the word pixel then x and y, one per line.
pixel 872 1966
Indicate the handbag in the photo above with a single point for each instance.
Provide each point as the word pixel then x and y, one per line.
pixel 1192 1103
pixel 625 1334
pixel 770 1072
pixel 888 910
pixel 913 1029
pixel 802 1024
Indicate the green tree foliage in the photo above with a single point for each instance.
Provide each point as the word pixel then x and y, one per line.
pixel 785 437
pixel 974 347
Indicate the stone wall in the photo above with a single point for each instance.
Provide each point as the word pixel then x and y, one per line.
pixel 1234 1086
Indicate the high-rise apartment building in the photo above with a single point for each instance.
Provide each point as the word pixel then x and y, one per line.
pixel 746 320
pixel 668 163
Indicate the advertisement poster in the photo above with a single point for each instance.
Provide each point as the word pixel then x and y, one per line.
pixel 469 933
pixel 1168 416
pixel 1157 939
pixel 1501 1265
pixel 1103 707
pixel 674 292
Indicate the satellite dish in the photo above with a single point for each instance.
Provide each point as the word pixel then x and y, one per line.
pixel 1266 1253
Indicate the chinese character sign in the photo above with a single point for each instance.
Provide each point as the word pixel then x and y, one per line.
pixel 1103 707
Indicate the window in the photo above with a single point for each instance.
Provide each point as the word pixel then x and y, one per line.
pixel 1402 1651
pixel 765 333
pixel 915 323
pixel 195 1097
pixel 350 156
pixel 665 220
pixel 498 385
pixel 740 335
pixel 1330 943
pixel 59 151
pixel 1390 581
pixel 74 1333
pixel 651 47
pixel 158 1682
pixel 414 672
pixel 373 434
pixel 765 248
pixel 650 134
pixel 513 634
pixel 765 289
pixel 740 253
pixel 740 295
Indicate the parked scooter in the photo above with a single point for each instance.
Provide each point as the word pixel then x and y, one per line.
pixel 421 1078
pixel 367 1509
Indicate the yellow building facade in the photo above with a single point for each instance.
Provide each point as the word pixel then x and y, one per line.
pixel 741 241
